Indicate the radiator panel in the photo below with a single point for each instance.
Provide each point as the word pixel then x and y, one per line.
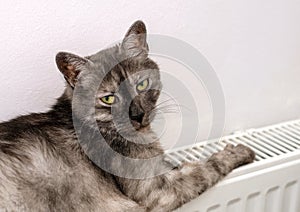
pixel 270 184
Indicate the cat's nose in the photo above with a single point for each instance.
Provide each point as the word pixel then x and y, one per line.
pixel 139 117
pixel 136 113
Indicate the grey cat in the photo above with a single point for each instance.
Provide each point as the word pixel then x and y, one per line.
pixel 60 160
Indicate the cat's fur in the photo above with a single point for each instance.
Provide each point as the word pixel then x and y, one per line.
pixel 43 166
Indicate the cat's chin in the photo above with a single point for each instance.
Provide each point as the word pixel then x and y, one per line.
pixel 140 127
pixel 144 129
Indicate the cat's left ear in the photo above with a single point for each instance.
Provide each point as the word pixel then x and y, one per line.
pixel 135 43
pixel 70 65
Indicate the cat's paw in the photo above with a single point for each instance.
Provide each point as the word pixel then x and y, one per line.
pixel 248 153
pixel 241 153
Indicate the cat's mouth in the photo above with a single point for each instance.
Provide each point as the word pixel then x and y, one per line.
pixel 141 121
pixel 144 123
pixel 139 126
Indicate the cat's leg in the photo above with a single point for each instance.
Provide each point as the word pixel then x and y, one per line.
pixel 136 209
pixel 169 191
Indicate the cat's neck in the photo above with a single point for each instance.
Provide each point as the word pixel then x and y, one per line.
pixel 61 112
pixel 145 145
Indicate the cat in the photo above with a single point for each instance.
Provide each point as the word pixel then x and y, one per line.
pixel 56 161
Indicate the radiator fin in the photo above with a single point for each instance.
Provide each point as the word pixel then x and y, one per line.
pixel 291 197
pixel 272 200
pixel 253 202
pixel 267 143
pixel 234 205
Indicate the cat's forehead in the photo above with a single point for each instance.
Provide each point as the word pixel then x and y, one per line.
pixel 114 71
pixel 130 72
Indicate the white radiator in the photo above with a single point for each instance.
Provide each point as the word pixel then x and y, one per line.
pixel 270 184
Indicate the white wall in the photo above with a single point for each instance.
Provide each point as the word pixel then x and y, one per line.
pixel 253 45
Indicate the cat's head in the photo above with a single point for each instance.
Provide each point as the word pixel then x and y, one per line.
pixel 123 82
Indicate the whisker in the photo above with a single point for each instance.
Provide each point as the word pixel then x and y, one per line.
pixel 178 106
pixel 167 100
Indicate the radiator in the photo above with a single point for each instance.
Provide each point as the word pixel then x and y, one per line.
pixel 270 184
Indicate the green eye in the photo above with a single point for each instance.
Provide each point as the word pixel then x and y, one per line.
pixel 109 99
pixel 143 85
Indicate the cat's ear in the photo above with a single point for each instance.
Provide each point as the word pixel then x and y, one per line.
pixel 135 43
pixel 70 66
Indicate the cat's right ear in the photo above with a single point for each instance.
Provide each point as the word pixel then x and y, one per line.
pixel 135 41
pixel 70 66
